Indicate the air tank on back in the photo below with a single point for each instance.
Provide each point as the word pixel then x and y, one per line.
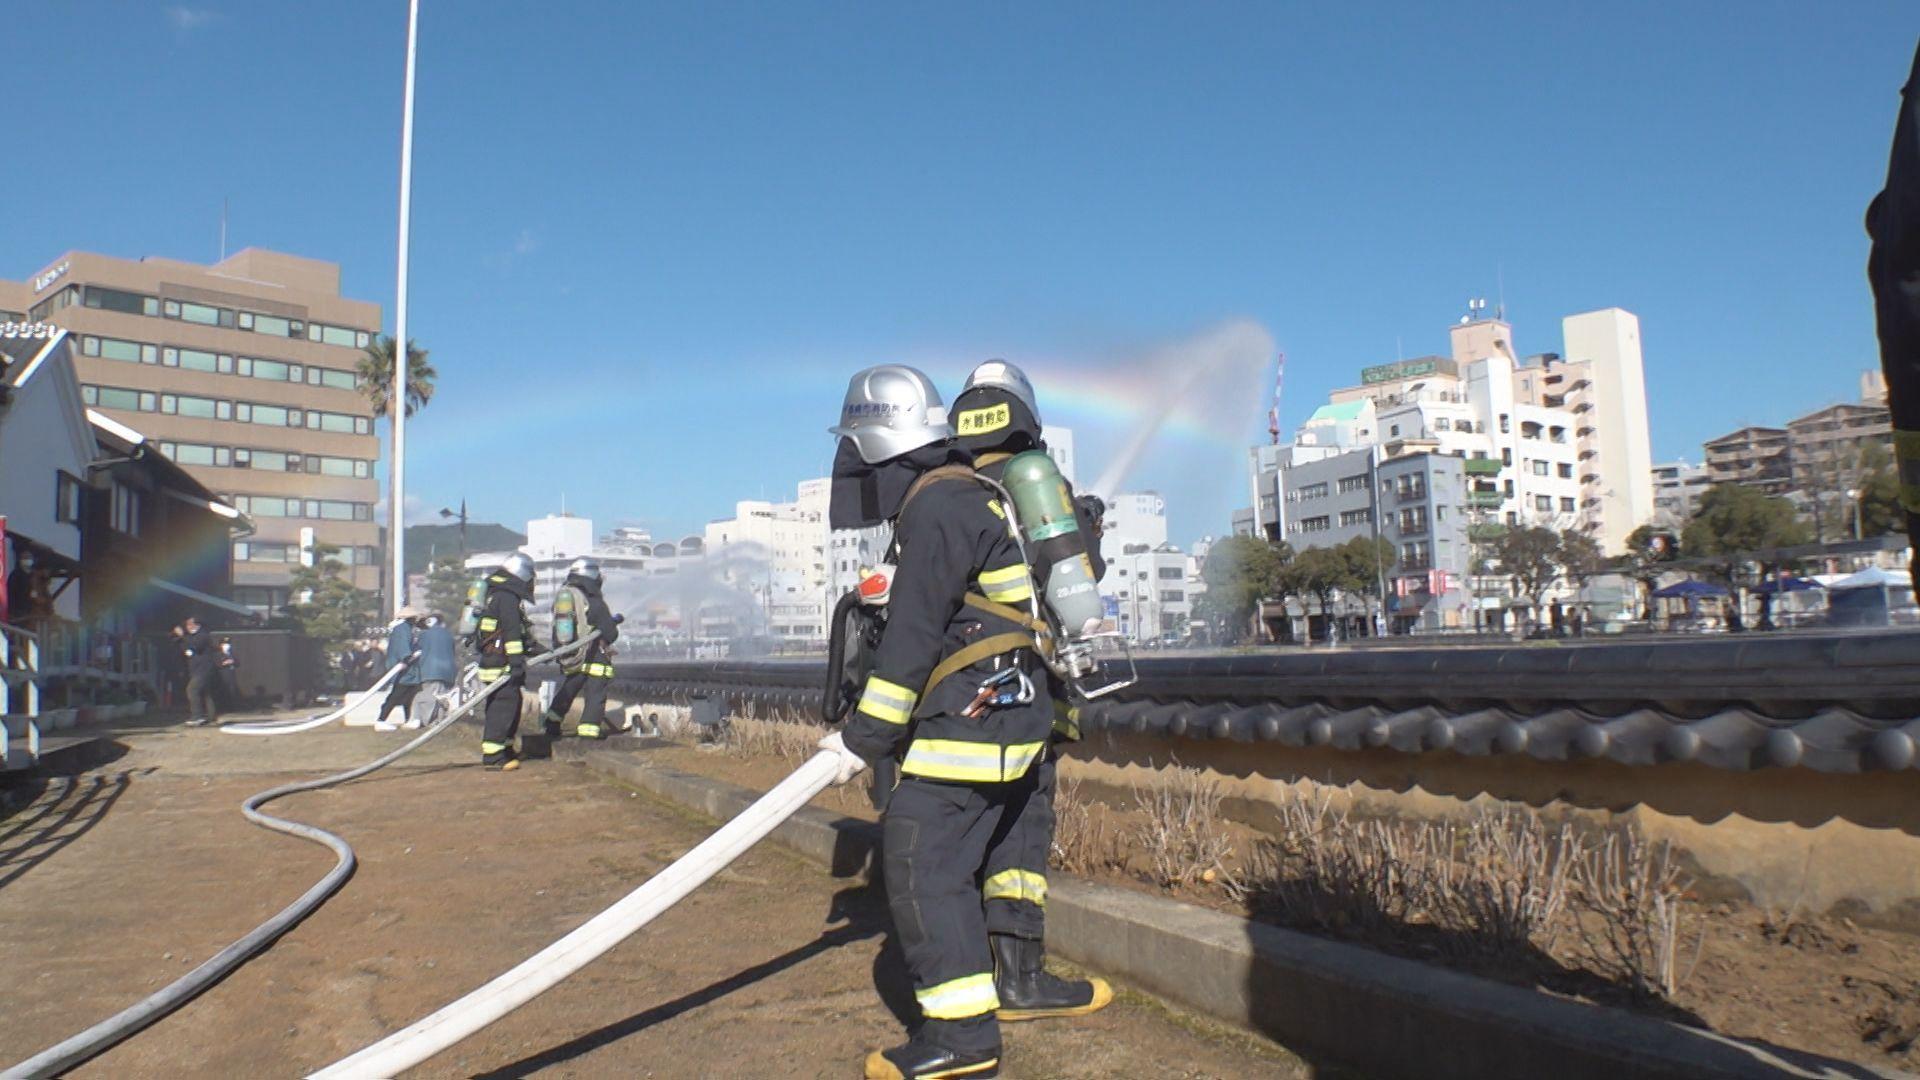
pixel 1056 548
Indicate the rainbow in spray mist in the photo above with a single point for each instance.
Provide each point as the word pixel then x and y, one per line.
pixel 1203 390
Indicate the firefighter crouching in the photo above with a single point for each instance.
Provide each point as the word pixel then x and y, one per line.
pixel 956 695
pixel 503 640
pixel 578 608
pixel 995 417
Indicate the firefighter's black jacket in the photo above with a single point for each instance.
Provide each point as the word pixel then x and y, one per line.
pixel 952 539
pixel 599 616
pixel 505 638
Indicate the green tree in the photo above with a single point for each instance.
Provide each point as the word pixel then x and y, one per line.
pixel 1649 551
pixel 447 582
pixel 1738 523
pixel 1240 572
pixel 1581 559
pixel 324 605
pixel 1879 494
pixel 1530 556
pixel 1320 573
pixel 376 375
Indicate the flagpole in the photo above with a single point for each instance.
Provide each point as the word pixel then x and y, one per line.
pixel 402 368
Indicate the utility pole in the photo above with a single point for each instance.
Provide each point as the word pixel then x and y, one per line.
pixel 397 406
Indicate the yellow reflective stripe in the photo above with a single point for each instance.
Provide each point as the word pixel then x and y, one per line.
pixel 1007 585
pixel 489 674
pixel 970 762
pixel 958 999
pixel 604 671
pixel 1066 719
pixel 516 648
pixel 888 701
pixel 1016 885
pixel 489 623
pixel 492 747
pixel 1906 453
pixel 591 731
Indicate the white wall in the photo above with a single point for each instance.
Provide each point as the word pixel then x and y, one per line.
pixel 1610 340
pixel 44 432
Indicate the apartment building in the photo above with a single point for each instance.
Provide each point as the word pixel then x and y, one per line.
pixel 1677 488
pixel 1755 456
pixel 777 553
pixel 244 373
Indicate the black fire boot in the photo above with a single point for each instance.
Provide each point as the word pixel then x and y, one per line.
pixel 500 760
pixel 920 1059
pixel 1028 992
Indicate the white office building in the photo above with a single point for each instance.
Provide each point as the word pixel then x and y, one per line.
pixel 778 553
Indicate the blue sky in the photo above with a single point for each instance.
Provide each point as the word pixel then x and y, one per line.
pixel 651 241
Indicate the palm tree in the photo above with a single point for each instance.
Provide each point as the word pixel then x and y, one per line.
pixel 376 375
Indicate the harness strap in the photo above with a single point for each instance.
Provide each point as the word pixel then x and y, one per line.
pixel 995 645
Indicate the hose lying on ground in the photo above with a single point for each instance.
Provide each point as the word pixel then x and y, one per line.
pixel 290 727
pixel 96 1039
pixel 413 1045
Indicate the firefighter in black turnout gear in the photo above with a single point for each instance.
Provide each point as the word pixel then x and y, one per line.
pixel 956 696
pixel 994 418
pixel 503 641
pixel 589 672
pixel 1893 269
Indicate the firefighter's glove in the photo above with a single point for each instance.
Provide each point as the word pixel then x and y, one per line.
pixel 850 763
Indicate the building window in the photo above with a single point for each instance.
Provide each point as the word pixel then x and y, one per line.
pixel 266 324
pixel 1171 573
pixel 1441 423
pixel 337 335
pixel 1540 467
pixel 1506 456
pixel 1513 518
pixel 124 302
pixel 1566 504
pixel 1316 524
pixel 1314 491
pixel 66 498
pixel 1353 483
pixel 1356 517
pixel 1558 433
pixel 125 514
pixel 1543 503
pixel 131 352
pixel 1394 432
pixel 336 380
pixel 1566 471
pixel 1172 596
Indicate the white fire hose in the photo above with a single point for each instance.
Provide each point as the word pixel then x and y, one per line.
pixel 290 727
pixel 409 1047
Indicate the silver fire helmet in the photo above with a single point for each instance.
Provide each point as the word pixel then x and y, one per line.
pixel 890 410
pixel 1000 375
pixel 586 568
pixel 519 565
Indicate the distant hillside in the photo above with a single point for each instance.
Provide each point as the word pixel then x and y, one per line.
pixel 426 541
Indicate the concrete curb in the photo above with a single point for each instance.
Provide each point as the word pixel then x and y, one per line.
pixel 1379 1014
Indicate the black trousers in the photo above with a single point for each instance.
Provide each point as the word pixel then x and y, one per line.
pixel 937 839
pixel 200 696
pixel 590 689
pixel 1014 881
pixel 400 695
pixel 503 714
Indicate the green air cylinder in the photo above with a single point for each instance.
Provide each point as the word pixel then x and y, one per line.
pixel 1056 548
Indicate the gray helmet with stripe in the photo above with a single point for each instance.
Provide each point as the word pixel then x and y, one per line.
pixel 890 410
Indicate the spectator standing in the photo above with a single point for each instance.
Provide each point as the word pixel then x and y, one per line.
pixel 229 675
pixel 401 638
pixel 202 657
pixel 437 670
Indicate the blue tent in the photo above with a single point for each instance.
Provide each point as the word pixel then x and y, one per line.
pixel 1786 585
pixel 1689 589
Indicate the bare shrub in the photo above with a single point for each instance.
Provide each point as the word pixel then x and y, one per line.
pixel 1084 839
pixel 1182 833
pixel 746 737
pixel 1631 892
pixel 1499 883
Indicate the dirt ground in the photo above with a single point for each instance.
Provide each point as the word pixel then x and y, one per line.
pixel 118 879
pixel 1821 985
